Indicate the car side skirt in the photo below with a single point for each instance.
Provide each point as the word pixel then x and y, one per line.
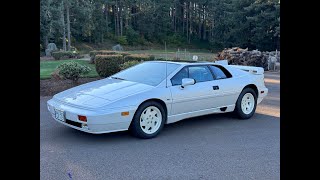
pixel 179 117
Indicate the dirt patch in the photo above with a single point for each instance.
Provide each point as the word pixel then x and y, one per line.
pixel 50 87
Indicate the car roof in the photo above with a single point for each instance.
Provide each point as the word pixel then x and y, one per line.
pixel 185 62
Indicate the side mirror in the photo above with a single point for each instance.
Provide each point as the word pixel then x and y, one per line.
pixel 187 82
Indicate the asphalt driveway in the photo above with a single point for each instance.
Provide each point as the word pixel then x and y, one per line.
pixel 208 147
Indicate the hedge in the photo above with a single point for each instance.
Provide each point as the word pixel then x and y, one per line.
pixel 100 52
pixel 107 65
pixel 123 53
pixel 57 55
pixel 129 64
pixel 139 57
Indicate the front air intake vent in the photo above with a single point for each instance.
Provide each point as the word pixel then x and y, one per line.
pixel 223 109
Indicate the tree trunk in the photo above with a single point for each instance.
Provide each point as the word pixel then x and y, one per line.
pixel 64 45
pixel 127 19
pixel 175 18
pixel 118 20
pixel 115 20
pixel 183 12
pixel 190 25
pixel 68 27
pixel 106 11
pixel 204 24
pixel 187 18
pixel 46 42
pixel 121 19
pixel 199 26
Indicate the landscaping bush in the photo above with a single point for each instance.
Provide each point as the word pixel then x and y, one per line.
pixel 122 40
pixel 72 70
pixel 138 57
pixel 100 52
pixel 134 38
pixel 107 65
pixel 57 55
pixel 128 64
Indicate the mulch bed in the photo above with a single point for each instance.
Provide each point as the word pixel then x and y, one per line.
pixel 50 87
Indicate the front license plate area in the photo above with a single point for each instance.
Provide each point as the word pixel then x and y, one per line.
pixel 59 114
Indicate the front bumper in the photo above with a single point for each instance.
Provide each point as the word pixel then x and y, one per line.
pixel 98 122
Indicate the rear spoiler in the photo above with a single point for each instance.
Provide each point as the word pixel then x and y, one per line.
pixel 250 69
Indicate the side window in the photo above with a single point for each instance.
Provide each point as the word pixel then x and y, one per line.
pixel 219 72
pixel 177 79
pixel 200 73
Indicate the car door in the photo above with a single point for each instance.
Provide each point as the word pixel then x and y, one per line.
pixel 225 87
pixel 193 97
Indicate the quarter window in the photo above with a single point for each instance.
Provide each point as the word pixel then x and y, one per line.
pixel 177 79
pixel 220 73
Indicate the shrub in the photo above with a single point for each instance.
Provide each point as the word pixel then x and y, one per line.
pixel 100 52
pixel 107 65
pixel 175 40
pixel 134 38
pixel 72 70
pixel 128 64
pixel 122 40
pixel 57 55
pixel 138 57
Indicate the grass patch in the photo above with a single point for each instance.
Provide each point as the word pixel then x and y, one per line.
pixel 47 67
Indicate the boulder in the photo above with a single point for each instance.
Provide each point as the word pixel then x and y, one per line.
pixel 51 47
pixel 117 47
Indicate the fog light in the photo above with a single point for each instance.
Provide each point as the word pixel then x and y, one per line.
pixel 82 118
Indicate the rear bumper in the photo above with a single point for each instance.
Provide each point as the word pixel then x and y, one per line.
pixel 263 92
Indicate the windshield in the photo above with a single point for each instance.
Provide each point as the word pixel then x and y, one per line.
pixel 151 73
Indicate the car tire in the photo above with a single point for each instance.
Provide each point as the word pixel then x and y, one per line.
pixel 148 120
pixel 246 104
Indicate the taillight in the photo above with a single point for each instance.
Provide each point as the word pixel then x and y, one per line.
pixel 82 118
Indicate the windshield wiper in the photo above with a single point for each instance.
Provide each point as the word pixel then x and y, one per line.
pixel 117 78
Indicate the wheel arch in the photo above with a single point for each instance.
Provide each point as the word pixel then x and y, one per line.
pixel 163 104
pixel 254 87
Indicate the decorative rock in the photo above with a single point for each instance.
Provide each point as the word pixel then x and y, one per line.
pixel 117 47
pixel 51 47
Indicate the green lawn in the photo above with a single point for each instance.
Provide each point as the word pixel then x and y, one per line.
pixel 47 67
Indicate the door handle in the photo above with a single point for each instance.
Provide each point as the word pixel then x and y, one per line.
pixel 215 87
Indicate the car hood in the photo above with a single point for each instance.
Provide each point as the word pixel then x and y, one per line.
pixel 100 93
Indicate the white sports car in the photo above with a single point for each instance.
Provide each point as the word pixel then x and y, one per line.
pixel 145 97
